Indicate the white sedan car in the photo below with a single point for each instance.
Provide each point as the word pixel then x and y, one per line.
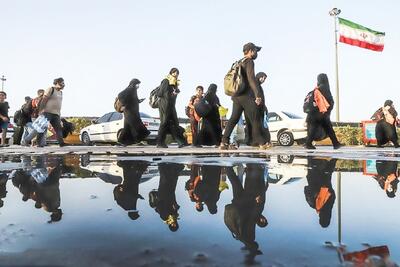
pixel 105 129
pixel 285 128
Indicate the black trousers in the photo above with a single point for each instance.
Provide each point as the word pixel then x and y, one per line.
pixel 385 132
pixel 55 121
pixel 245 103
pixel 323 120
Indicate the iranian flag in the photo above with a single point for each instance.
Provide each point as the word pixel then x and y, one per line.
pixel 354 34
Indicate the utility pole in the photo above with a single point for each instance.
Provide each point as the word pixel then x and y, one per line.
pixel 3 79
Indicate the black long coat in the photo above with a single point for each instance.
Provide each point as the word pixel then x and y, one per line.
pixel 134 130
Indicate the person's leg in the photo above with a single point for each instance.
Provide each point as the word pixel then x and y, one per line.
pixel 312 125
pixel 253 112
pixel 380 134
pixel 194 130
pixel 55 121
pixel 248 133
pixel 237 111
pixel 327 125
pixel 162 130
pixel 3 136
pixel 393 136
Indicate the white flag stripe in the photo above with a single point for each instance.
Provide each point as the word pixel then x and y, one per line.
pixel 361 35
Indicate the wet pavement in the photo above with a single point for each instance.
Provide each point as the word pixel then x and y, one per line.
pixel 208 210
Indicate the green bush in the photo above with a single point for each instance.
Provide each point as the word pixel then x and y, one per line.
pixel 349 135
pixel 79 123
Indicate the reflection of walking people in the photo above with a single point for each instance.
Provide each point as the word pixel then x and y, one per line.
pixel 385 129
pixel 134 130
pixel 127 194
pixel 166 205
pixel 3 188
pixel 319 192
pixel 245 211
pixel 169 123
pixel 208 188
pixel 388 176
pixel 46 192
pixel 320 116
pixel 248 101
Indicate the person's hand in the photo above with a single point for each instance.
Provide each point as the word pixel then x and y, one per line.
pixel 4 118
pixel 258 101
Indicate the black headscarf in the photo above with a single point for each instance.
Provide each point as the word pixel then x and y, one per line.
pixel 211 95
pixel 260 74
pixel 128 97
pixel 133 83
pixel 388 103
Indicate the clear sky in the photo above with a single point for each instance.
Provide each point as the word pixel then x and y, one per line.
pixel 98 46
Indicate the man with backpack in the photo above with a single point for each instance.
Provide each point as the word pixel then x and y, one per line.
pixel 247 98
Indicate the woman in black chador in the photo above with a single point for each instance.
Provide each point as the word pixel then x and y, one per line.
pixel 165 201
pixel 385 129
pixel 319 192
pixel 134 130
pixel 169 123
pixel 127 194
pixel 320 116
pixel 211 131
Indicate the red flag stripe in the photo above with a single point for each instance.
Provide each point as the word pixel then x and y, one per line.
pixel 360 43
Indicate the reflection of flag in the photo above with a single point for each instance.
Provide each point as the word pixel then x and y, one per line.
pixel 354 34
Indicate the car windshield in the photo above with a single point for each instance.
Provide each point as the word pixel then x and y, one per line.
pixel 144 115
pixel 291 115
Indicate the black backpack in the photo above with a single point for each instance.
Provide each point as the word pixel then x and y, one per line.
pixel 154 99
pixel 309 103
pixel 18 117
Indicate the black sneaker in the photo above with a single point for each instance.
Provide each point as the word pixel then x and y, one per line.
pixel 337 146
pixel 162 146
pixel 63 144
pixel 309 146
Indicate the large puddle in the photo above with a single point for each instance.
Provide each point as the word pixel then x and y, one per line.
pixel 205 211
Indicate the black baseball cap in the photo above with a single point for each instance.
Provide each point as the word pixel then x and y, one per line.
pixel 251 46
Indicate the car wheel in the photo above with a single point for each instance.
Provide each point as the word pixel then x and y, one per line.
pixel 85 160
pixel 285 139
pixel 285 158
pixel 86 139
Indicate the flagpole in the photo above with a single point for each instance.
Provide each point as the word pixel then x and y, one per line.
pixel 334 13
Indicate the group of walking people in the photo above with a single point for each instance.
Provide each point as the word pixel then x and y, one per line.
pixel 203 110
pixel 36 115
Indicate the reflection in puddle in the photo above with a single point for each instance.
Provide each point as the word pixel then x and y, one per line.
pixel 179 211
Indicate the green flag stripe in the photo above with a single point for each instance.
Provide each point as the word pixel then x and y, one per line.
pixel 358 26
